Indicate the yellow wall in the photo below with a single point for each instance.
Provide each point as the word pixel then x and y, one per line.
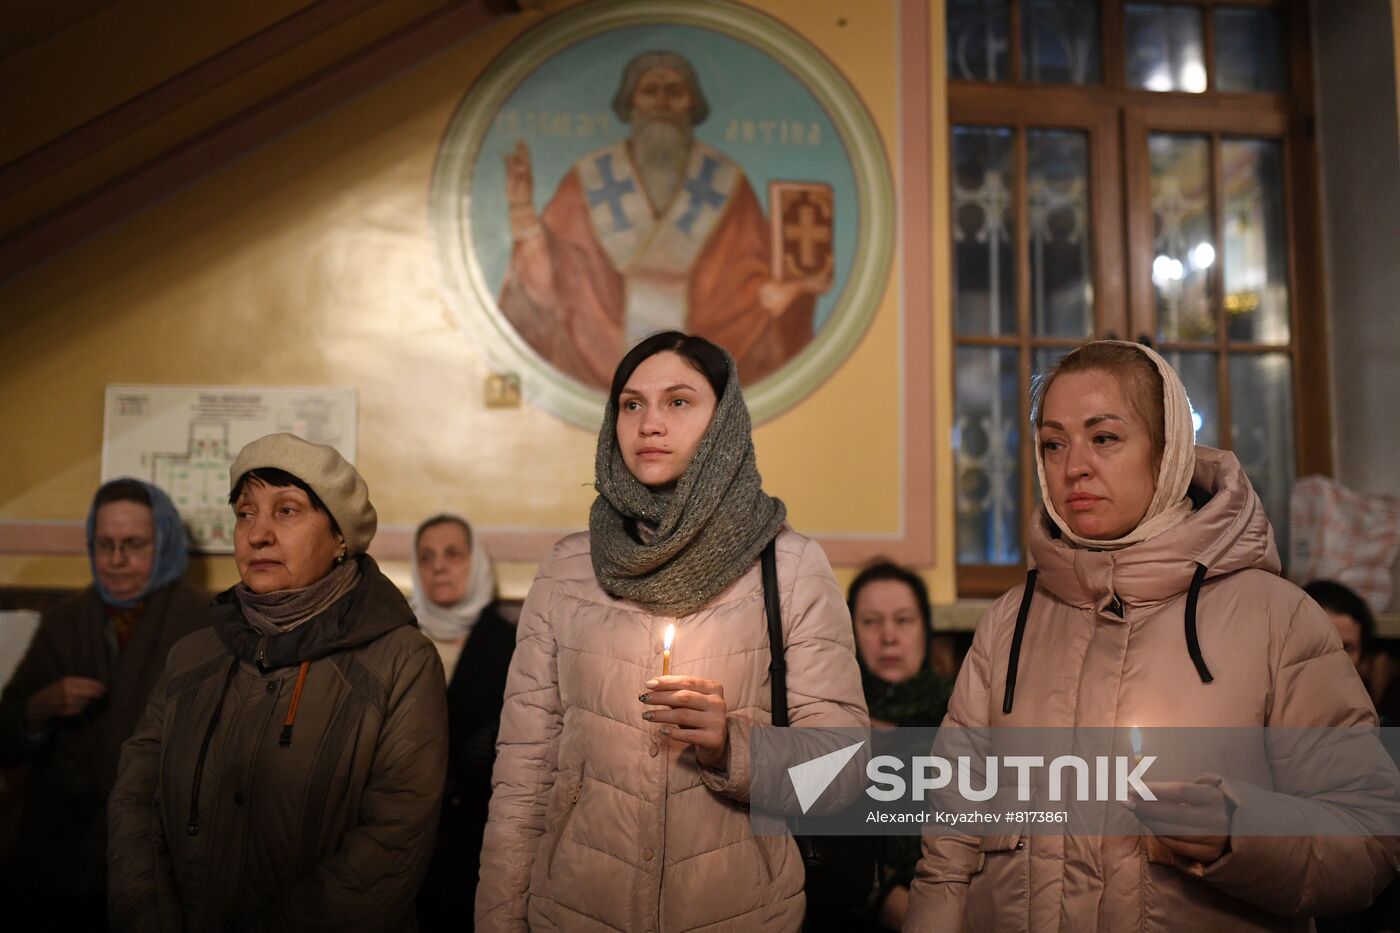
pixel 311 261
pixel 1395 32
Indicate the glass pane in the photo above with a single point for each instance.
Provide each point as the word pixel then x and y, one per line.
pixel 1201 378
pixel 986 447
pixel 1261 412
pixel 984 252
pixel 1165 48
pixel 1060 41
pixel 979 47
pixel 1256 240
pixel 1248 50
pixel 1183 247
pixel 1062 285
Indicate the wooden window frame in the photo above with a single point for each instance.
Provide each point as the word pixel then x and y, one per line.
pixel 1119 120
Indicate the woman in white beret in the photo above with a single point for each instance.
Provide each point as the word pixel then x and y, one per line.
pixel 288 770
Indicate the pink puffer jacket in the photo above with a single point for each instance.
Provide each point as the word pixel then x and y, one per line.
pixel 597 823
pixel 1274 659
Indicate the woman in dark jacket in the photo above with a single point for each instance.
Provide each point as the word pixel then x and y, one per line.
pixel 454 598
pixel 80 688
pixel 894 634
pixel 288 770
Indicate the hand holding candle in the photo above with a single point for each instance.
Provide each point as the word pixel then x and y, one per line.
pixel 1191 819
pixel 693 713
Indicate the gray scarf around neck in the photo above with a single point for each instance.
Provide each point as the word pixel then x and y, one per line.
pixel 706 532
pixel 280 612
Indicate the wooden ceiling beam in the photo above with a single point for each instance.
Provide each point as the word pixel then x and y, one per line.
pixel 191 84
pixel 204 153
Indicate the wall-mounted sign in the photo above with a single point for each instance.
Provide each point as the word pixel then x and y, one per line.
pixel 184 439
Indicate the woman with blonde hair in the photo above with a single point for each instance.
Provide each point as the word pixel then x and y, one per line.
pixel 1153 598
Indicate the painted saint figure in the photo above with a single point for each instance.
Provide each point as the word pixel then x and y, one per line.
pixel 659 231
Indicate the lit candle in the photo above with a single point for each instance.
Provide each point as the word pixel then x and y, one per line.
pixel 666 649
pixel 1135 736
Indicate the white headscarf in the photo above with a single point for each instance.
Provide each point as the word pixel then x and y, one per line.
pixel 1170 504
pixel 452 623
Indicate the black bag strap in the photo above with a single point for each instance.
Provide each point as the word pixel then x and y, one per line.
pixel 777 667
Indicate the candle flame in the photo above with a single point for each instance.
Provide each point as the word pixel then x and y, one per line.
pixel 1135 736
pixel 670 637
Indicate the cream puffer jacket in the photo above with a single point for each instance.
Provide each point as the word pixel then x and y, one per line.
pixel 1108 642
pixel 597 822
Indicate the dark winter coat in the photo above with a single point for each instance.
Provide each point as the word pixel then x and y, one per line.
pixel 62 844
pixel 474 700
pixel 223 818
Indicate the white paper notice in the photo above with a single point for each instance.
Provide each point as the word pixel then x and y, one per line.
pixel 184 438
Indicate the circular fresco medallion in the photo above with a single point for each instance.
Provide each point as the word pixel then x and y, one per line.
pixel 629 167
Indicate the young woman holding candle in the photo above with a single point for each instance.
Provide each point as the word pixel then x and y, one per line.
pixel 621 794
pixel 1153 600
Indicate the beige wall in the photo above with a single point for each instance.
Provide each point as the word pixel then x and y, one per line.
pixel 311 261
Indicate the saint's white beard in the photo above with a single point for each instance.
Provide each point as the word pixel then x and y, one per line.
pixel 661 149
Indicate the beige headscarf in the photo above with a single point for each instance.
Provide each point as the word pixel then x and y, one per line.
pixel 449 623
pixel 1170 505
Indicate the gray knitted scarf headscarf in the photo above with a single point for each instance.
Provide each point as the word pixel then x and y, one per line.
pixel 708 530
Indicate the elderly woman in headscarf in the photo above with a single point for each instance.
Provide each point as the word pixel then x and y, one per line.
pixel 82 685
pixel 621 794
pixel 1153 598
pixel 289 766
pixel 454 598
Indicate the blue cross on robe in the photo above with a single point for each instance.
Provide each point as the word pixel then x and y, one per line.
pixel 702 194
pixel 612 191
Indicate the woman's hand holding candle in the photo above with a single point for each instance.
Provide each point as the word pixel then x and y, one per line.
pixel 1190 819
pixel 694 714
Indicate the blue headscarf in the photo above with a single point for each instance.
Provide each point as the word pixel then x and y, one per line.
pixel 171 544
